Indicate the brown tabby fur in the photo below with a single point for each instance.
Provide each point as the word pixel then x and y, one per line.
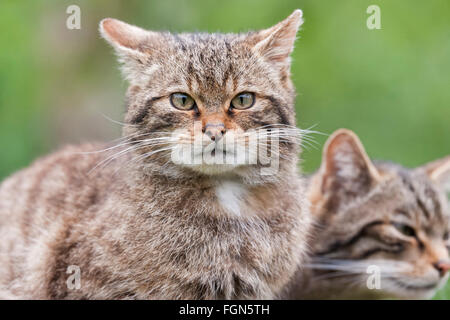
pixel 142 227
pixel 357 206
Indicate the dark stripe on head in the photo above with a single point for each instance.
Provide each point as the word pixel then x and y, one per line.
pixel 408 183
pixel 431 194
pixel 280 109
pixel 164 121
pixel 258 119
pixel 142 112
pixel 344 244
pixel 394 248
pixel 423 208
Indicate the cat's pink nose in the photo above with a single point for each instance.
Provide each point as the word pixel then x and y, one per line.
pixel 214 131
pixel 442 266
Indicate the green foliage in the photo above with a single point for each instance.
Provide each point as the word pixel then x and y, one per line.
pixel 391 86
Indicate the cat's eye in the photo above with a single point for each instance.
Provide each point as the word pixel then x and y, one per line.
pixel 182 101
pixel 446 235
pixel 405 229
pixel 243 101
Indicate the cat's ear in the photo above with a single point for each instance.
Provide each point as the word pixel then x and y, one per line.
pixel 439 172
pixel 276 43
pixel 346 171
pixel 130 43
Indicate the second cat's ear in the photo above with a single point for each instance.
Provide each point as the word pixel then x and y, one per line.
pixel 439 172
pixel 132 44
pixel 276 43
pixel 346 171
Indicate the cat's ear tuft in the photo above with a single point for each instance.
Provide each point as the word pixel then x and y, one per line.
pixel 276 43
pixel 439 171
pixel 346 171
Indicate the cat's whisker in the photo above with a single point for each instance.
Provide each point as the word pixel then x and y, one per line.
pixel 148 154
pixel 118 122
pixel 126 138
pixel 341 268
pixel 120 145
pixel 111 158
pixel 137 146
pixel 143 156
pixel 123 141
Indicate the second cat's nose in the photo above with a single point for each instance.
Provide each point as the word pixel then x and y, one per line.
pixel 443 266
pixel 214 131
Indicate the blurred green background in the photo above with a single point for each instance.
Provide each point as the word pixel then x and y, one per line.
pixel 391 86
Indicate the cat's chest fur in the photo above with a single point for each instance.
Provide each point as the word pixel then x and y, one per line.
pixel 216 243
pixel 231 197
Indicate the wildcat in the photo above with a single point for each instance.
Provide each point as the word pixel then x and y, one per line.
pixel 138 225
pixel 375 217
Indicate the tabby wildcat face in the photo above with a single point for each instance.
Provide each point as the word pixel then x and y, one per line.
pixel 381 215
pixel 197 94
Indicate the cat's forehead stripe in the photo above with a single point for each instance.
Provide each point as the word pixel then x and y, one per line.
pixel 426 198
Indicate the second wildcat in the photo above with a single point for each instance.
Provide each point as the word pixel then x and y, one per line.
pixel 382 230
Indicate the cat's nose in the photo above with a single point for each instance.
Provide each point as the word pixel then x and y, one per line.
pixel 215 130
pixel 442 266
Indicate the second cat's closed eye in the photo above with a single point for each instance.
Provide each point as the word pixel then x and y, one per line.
pixel 405 229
